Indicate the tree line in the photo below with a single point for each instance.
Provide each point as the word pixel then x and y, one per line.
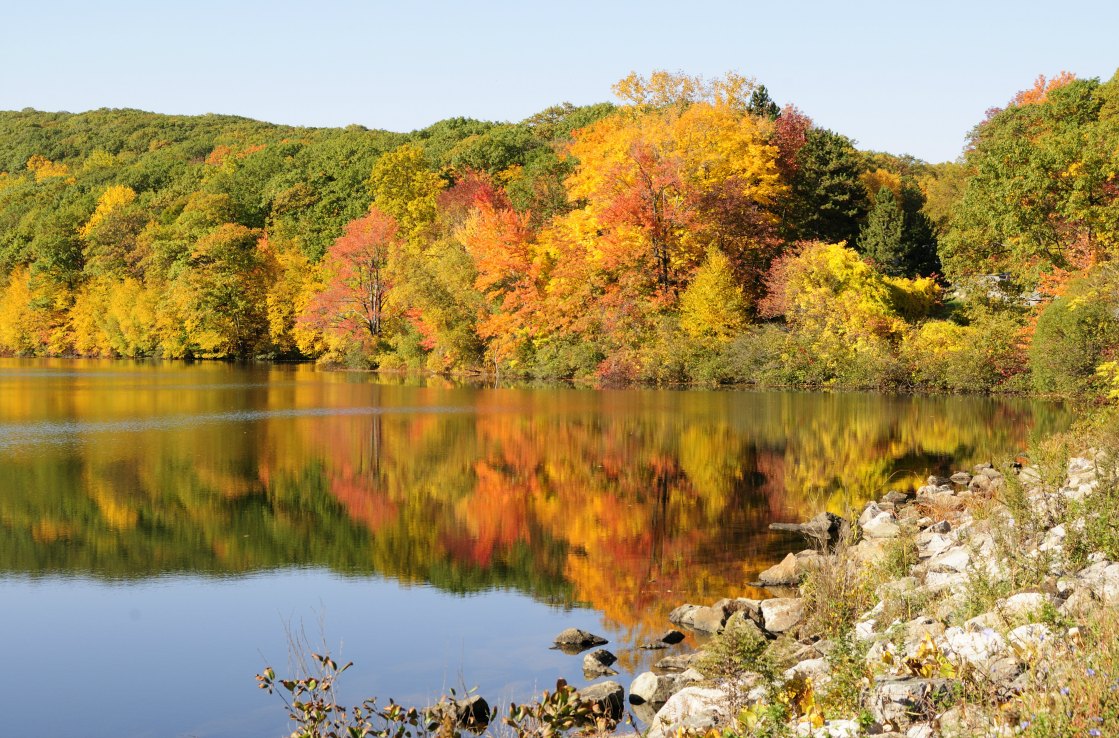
pixel 694 231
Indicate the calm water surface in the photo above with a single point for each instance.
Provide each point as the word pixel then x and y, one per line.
pixel 165 529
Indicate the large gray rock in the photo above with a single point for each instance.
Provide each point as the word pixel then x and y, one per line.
pixel 706 619
pixel 954 559
pixel 782 613
pixel 901 702
pixel 681 614
pixel 1103 579
pixel 929 543
pixel 574 639
pixel 786 572
pixel 974 647
pixel 656 689
pixel 692 708
pixel 818 670
pixel 608 696
pixel 751 609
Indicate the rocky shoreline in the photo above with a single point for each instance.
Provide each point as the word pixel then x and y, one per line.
pixel 926 662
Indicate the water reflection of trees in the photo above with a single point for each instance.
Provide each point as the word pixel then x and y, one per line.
pixel 628 501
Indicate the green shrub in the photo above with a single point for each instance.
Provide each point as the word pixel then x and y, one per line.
pixel 1075 334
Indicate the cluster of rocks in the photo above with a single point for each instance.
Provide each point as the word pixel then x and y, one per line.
pixel 918 659
pixel 646 690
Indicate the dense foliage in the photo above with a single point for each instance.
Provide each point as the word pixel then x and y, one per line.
pixel 695 232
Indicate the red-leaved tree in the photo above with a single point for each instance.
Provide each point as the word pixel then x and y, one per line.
pixel 352 304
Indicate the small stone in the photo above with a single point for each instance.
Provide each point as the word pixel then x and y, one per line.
pixel 961 478
pixel 678 662
pixel 666 639
pixel 1023 604
pixel 895 497
pixel 599 662
pixel 1029 641
pixel 881 525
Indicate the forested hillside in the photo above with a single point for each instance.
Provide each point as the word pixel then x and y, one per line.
pixel 695 232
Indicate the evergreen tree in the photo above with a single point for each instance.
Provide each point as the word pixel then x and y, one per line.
pixel 881 239
pixel 762 105
pixel 898 236
pixel 920 233
pixel 827 200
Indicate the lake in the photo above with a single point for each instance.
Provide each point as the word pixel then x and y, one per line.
pixel 166 530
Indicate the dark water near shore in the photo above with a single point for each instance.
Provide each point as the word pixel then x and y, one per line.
pixel 164 528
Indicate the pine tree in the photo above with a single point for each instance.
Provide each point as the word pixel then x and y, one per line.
pixel 881 239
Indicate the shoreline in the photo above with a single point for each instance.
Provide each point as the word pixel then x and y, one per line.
pixel 921 653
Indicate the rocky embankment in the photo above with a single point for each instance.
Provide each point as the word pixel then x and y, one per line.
pixel 979 595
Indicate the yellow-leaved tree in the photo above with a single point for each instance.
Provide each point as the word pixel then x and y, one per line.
pixel 845 318
pixel 712 308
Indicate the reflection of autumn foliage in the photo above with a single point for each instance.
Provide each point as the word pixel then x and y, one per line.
pixel 629 501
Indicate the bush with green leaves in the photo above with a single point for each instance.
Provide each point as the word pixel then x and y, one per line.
pixel 1076 333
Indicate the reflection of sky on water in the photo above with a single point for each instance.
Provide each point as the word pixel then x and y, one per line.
pixel 175 656
pixel 13 435
pixel 160 524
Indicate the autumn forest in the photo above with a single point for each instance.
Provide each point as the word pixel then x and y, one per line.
pixel 694 232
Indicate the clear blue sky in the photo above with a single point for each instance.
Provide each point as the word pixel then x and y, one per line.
pixel 905 77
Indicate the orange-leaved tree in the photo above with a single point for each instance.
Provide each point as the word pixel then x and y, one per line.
pixel 665 183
